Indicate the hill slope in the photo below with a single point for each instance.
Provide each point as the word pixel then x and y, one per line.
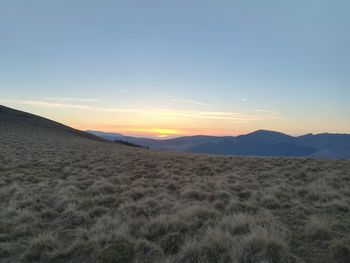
pixel 175 144
pixel 12 120
pixel 66 197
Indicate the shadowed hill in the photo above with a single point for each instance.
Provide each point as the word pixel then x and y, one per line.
pixel 106 135
pixel 271 143
pixel 174 144
pixel 266 136
pixel 258 143
pixel 11 119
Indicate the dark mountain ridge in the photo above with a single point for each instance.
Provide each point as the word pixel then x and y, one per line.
pixel 11 119
pixel 257 143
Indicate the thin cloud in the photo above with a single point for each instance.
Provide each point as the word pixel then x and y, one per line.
pixel 71 99
pixel 193 102
pixel 47 104
pixel 235 117
pixel 65 105
pixel 243 99
pixel 124 91
pixel 266 111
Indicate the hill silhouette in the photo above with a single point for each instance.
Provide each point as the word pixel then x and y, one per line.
pixel 12 120
pixel 257 143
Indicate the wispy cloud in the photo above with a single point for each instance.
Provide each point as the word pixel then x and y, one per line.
pixel 236 117
pixel 124 91
pixel 243 99
pixel 193 102
pixel 43 103
pixel 63 105
pixel 266 111
pixel 71 99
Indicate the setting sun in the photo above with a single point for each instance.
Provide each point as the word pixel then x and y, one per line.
pixel 155 132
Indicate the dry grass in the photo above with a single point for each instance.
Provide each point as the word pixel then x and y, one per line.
pixel 66 198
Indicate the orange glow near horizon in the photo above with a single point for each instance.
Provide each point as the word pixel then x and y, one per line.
pixel 154 132
pixel 161 123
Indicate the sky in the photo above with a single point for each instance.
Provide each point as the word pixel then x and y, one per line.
pixel 179 67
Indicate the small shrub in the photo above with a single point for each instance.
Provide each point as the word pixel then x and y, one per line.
pixel 162 225
pixel 39 246
pixel 171 243
pixel 73 218
pixel 340 250
pixel 246 194
pixel 264 244
pixel 316 229
pixel 339 206
pixel 220 205
pixel 214 247
pixel 146 252
pixel 120 251
pixel 197 216
pixel 194 194
pixel 6 249
pixel 271 202
pixel 81 250
pixel 237 224
pixel 98 211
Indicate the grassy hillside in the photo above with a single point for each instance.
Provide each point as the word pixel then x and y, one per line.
pixel 69 197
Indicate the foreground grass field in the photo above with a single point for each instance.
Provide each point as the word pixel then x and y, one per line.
pixel 68 197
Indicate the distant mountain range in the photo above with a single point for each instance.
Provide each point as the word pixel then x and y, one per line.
pixel 258 143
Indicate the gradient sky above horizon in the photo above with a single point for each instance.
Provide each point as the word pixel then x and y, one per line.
pixel 171 68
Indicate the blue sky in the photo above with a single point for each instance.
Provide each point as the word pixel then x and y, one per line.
pixel 185 66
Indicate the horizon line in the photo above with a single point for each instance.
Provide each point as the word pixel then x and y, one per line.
pixel 208 135
pixel 169 133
